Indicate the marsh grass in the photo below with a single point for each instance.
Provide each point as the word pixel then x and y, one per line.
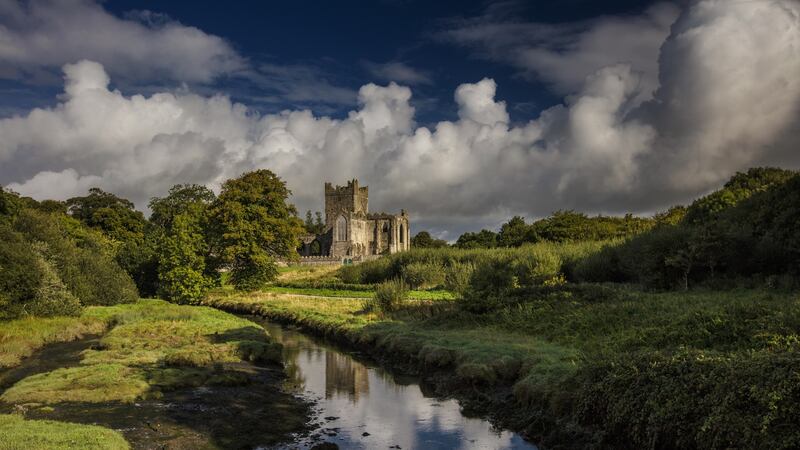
pixel 19 338
pixel 16 433
pixel 595 365
pixel 152 346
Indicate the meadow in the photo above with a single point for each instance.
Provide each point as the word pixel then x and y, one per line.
pixel 572 364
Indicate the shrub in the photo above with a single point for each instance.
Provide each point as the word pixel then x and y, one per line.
pixel 250 272
pixel 52 298
pixel 601 266
pixel 88 271
pixel 419 275
pixel 539 266
pixel 20 273
pixel 390 295
pixel 491 284
pixel 457 276
pixel 350 274
pixel 377 270
pixel 109 285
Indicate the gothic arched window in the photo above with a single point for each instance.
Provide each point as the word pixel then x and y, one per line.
pixel 341 229
pixel 402 234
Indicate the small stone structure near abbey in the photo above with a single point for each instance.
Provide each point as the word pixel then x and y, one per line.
pixel 351 231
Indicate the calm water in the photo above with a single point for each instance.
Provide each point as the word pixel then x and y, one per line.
pixel 362 406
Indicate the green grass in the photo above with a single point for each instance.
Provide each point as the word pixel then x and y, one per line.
pixel 17 433
pixel 21 337
pixel 594 366
pixel 153 346
pixel 346 293
pixel 93 383
pixel 469 349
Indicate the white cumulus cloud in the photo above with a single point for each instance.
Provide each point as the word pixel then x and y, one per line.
pixel 39 35
pixel 727 99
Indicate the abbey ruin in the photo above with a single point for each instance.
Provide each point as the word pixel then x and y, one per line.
pixel 352 231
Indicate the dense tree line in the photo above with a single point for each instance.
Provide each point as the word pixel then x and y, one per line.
pixel 561 226
pixel 423 239
pixel 52 264
pixel 98 249
pixel 750 228
pixel 747 232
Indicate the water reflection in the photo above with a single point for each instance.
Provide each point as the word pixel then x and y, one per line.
pixel 343 375
pixel 367 408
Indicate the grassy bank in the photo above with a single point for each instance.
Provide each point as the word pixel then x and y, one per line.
pixel 332 291
pixel 592 366
pixel 151 350
pixel 153 346
pixel 16 433
pixel 21 337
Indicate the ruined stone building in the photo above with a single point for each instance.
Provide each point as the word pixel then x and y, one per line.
pixel 352 231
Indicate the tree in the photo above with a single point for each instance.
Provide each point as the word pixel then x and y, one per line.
pixel 313 224
pixel 481 239
pixel 180 198
pixel 117 219
pixel 672 216
pixel 185 261
pixel 423 239
pixel 182 267
pixel 514 233
pixel 255 225
pixel 9 203
pixel 114 216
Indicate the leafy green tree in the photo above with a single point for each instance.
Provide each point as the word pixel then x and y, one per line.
pixel 563 226
pixel 423 239
pixel 185 264
pixel 182 263
pixel 9 204
pixel 481 239
pixel 514 233
pixel 21 272
pixel 672 216
pixel 255 225
pixel 180 198
pixel 115 216
pixel 313 223
pixel 117 219
pixel 740 187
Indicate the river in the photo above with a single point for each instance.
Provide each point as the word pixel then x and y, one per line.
pixel 359 405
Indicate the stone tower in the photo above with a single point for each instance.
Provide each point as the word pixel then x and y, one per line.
pixel 345 200
pixel 351 231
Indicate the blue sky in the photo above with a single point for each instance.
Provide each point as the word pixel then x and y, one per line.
pixel 342 45
pixel 462 113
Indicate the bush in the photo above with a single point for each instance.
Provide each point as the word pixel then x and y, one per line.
pixel 601 266
pixel 538 267
pixel 108 283
pixel 427 275
pixel 20 273
pixel 377 270
pixel 390 295
pixel 51 298
pixel 693 400
pixel 492 282
pixel 81 258
pixel 350 274
pixel 457 276
pixel 251 272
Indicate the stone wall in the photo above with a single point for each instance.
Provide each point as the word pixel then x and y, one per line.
pixel 351 231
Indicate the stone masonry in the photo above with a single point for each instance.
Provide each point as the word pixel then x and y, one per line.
pixel 352 231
